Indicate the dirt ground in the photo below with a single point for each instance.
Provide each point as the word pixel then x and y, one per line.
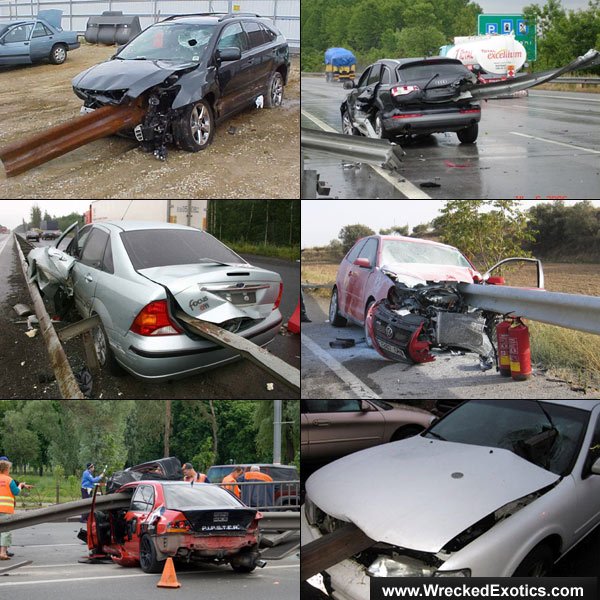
pixel 260 160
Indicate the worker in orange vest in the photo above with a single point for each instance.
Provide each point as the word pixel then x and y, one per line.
pixel 8 490
pixel 258 494
pixel 191 475
pixel 232 478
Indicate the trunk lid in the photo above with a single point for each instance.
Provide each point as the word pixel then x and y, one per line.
pixel 220 519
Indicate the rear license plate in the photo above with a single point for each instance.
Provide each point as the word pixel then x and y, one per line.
pixel 243 298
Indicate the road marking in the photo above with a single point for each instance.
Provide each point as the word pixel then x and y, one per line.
pixel 533 137
pixel 4 245
pixel 354 383
pixel 404 186
pixel 129 575
pixel 564 97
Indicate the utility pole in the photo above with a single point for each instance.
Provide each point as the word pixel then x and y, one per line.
pixel 277 433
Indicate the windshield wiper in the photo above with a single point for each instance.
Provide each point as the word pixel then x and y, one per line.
pixel 547 414
pixel 437 435
pixel 436 75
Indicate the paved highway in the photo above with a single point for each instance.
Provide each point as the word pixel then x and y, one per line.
pixel 360 372
pixel 56 574
pixel 541 146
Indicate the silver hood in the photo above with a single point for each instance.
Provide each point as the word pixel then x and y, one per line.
pixel 421 493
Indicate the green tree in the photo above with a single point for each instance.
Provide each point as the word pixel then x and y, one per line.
pixel 420 229
pixel 396 229
pixel 35 216
pixel 485 237
pixel 263 422
pixel 364 26
pixel 350 233
pixel 420 41
pixel 23 443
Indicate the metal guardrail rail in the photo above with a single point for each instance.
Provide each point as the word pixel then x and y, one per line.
pixel 572 311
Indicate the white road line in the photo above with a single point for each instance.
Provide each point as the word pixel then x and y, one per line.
pixel 48 545
pixel 5 242
pixel 572 146
pixel 564 97
pixel 354 383
pixel 129 575
pixel 404 186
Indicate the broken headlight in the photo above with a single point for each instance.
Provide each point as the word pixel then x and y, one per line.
pixel 314 515
pixel 400 566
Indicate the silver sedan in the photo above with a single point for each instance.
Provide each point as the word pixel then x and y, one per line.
pixel 136 275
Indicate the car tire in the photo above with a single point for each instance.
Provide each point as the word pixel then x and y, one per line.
pixel 194 129
pixel 469 134
pixel 243 568
pixel 58 54
pixel 347 126
pixel 380 132
pixel 368 340
pixel 104 354
pixel 148 558
pixel 406 432
pixel 538 563
pixel 335 319
pixel 274 93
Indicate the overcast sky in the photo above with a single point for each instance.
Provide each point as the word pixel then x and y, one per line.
pixel 13 212
pixel 323 219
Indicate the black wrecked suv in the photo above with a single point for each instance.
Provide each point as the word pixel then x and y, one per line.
pixel 412 96
pixel 190 72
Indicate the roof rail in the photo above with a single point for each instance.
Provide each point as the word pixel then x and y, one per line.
pixel 208 14
pixel 238 14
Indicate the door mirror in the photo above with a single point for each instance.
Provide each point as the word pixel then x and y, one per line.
pixel 596 467
pixel 364 406
pixel 495 280
pixel 348 84
pixel 229 54
pixel 363 262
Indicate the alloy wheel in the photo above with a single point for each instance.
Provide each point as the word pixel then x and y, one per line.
pixel 200 124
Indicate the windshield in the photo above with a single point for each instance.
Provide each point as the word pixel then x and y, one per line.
pixel 203 495
pixel 513 425
pixel 149 248
pixel 397 251
pixel 169 41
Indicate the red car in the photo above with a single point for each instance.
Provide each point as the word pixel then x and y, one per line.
pixel 192 523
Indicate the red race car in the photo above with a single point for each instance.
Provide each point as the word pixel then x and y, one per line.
pixel 192 523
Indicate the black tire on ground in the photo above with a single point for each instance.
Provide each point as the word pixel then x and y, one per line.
pixel 243 568
pixel 335 318
pixel 379 128
pixel 274 93
pixel 58 54
pixel 195 127
pixel 347 126
pixel 469 134
pixel 105 355
pixel 538 563
pixel 406 432
pixel 148 558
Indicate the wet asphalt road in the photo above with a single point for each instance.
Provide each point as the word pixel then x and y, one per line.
pixel 541 146
pixel 359 372
pixel 241 379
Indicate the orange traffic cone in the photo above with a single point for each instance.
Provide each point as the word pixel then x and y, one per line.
pixel 169 578
pixel 294 322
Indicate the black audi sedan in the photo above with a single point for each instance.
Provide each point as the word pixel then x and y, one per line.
pixel 190 72
pixel 412 96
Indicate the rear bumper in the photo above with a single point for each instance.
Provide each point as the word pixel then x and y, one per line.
pixel 74 45
pixel 426 121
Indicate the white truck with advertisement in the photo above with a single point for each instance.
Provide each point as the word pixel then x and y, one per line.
pixel 491 57
pixel 183 212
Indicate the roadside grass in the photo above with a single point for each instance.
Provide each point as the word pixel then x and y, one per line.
pixel 570 355
pixel 44 490
pixel 285 252
pixel 569 87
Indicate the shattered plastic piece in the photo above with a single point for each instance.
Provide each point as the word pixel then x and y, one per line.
pixel 451 164
pixel 23 363
pixel 430 184
pixel 342 343
pixel 85 382
pixel 31 321
pixel 260 101
pixel 31 333
pixel 270 387
pixel 22 309
pixel 232 129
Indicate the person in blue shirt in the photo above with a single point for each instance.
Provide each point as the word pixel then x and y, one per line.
pixel 87 485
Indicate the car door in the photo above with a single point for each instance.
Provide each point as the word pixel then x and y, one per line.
pixel 360 87
pixel 262 53
pixel 14 45
pixel 358 279
pixel 368 94
pixel 141 507
pixel 345 277
pixel 41 42
pixel 234 77
pixel 338 427
pixel 88 269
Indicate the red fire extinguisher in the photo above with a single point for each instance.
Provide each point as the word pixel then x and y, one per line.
pixel 519 350
pixel 503 353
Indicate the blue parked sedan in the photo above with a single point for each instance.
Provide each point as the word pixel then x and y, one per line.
pixel 27 41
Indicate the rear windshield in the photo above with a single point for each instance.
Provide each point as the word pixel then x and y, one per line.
pixel 396 251
pixel 149 248
pixel 427 71
pixel 203 495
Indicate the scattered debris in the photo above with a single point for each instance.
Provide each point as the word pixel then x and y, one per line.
pixel 270 387
pixel 31 333
pixel 23 363
pixel 451 164
pixel 430 184
pixel 342 343
pixel 85 382
pixel 232 129
pixel 260 101
pixel 22 310
pixel 31 321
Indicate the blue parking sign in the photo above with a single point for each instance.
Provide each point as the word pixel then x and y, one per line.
pixel 522 27
pixel 507 25
pixel 491 28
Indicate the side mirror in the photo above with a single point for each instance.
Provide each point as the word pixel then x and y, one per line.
pixel 596 467
pixel 348 84
pixel 495 280
pixel 363 262
pixel 228 54
pixel 364 406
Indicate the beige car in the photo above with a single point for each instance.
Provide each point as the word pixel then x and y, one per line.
pixel 334 428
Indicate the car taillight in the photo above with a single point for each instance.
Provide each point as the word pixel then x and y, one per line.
pixel 471 110
pixel 401 90
pixel 154 320
pixel 407 116
pixel 181 526
pixel 278 301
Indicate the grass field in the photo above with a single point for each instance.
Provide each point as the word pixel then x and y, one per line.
pixel 44 490
pixel 571 355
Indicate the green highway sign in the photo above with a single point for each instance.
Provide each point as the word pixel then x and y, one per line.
pixel 517 24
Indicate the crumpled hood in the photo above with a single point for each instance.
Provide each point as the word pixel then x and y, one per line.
pixel 208 291
pixel 420 493
pixel 413 273
pixel 133 75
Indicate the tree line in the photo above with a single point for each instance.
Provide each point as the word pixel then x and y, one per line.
pixel 66 434
pixel 374 29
